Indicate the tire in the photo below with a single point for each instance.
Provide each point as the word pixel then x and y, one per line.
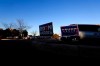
pixel 77 39
pixel 63 39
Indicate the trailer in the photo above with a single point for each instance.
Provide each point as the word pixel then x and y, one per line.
pixel 76 32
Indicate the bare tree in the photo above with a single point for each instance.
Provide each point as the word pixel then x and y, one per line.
pixel 34 33
pixel 21 26
pixel 11 25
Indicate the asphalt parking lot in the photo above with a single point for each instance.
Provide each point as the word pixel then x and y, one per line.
pixel 52 49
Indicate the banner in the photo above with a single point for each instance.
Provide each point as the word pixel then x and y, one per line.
pixel 46 29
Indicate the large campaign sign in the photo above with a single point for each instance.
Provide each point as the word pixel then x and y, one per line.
pixel 46 29
pixel 69 30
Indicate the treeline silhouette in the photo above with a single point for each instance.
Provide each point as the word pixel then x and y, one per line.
pixel 12 33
